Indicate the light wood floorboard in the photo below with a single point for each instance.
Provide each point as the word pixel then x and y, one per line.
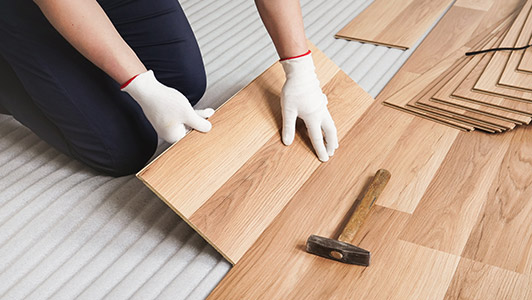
pixel 511 76
pixel 474 280
pixel 394 23
pixel 489 80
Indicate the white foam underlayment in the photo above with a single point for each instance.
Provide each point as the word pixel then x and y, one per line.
pixel 67 232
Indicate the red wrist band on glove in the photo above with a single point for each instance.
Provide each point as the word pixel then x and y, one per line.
pixel 306 53
pixel 128 82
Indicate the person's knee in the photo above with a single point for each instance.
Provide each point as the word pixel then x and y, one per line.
pixel 197 87
pixel 120 158
pixel 190 79
pixel 125 160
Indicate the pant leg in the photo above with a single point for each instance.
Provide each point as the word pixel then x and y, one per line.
pixel 160 34
pixel 70 103
pixel 96 123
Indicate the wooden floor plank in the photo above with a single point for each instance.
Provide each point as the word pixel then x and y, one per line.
pixel 235 216
pixel 505 221
pixel 251 117
pixel 474 280
pixel 395 23
pixel 495 106
pixel 465 91
pixel 423 101
pixel 449 209
pixel 405 191
pixel 511 77
pixel 489 80
pixel 525 64
pixel 420 86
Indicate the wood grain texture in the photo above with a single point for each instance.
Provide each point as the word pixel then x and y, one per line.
pixel 251 118
pixel 474 280
pixel 493 106
pixel 431 78
pixel 448 211
pixel 428 217
pixel 465 92
pixel 488 81
pixel 394 23
pixel 235 216
pixel 283 269
pixel 231 199
pixel 511 76
pixel 525 64
pixel 504 220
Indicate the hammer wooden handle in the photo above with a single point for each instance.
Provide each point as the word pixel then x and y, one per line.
pixel 361 212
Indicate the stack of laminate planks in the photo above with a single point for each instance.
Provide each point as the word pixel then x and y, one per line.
pixel 490 91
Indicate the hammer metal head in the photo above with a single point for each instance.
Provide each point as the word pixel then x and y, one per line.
pixel 339 251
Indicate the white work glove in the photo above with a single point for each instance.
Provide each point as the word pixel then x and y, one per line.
pixel 168 111
pixel 302 97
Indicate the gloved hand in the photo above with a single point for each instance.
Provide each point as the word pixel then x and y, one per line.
pixel 166 108
pixel 302 97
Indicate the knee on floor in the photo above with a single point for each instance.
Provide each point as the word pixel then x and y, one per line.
pixel 192 82
pixel 120 159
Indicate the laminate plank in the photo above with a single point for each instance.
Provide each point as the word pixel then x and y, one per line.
pixel 525 64
pixel 479 120
pixel 415 87
pixel 430 77
pixel 505 221
pixel 235 216
pixel 424 101
pixel 511 77
pixel 405 191
pixel 192 170
pixel 489 79
pixel 493 106
pixel 277 266
pixel 474 280
pixel 448 211
pixel 282 269
pixel 465 92
pixel 396 23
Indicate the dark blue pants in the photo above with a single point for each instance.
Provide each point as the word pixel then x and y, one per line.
pixel 74 106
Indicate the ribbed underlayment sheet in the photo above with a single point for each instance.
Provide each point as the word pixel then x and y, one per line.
pixel 67 232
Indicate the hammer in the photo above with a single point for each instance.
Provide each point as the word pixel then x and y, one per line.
pixel 341 250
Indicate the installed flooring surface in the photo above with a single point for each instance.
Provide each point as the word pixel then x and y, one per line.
pixel 463 230
pixel 67 232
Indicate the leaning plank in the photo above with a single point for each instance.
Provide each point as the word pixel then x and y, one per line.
pixel 488 81
pixel 511 77
pixel 396 23
pixel 229 184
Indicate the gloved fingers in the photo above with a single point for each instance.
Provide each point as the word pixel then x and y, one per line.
pixel 175 134
pixel 197 122
pixel 205 113
pixel 316 137
pixel 331 135
pixel 289 127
